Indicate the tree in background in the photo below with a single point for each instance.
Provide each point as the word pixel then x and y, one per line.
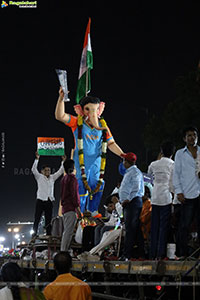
pixel 183 111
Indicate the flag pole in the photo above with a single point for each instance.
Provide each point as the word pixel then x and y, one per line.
pixel 86 88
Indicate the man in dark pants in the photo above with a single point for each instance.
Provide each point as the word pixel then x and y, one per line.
pixel 130 195
pixel 161 170
pixel 45 193
pixel 187 186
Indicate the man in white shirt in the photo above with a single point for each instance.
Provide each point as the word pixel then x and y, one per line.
pixel 161 200
pixel 187 187
pixel 45 193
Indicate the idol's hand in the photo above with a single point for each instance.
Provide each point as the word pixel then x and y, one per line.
pixel 61 94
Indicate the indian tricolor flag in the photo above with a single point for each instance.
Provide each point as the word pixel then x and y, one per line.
pixel 84 84
pixel 50 146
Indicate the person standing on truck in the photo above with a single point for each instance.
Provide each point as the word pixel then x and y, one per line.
pixel 45 193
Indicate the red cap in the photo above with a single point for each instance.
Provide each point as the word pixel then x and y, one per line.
pixel 130 156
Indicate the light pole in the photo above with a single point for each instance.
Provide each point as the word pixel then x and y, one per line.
pixel 14 232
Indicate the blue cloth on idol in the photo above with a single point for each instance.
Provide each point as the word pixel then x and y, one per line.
pixel 92 147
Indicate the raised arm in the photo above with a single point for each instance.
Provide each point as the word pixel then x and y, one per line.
pixel 60 114
pixel 34 167
pixel 57 174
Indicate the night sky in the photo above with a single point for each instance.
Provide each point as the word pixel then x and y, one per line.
pixel 138 53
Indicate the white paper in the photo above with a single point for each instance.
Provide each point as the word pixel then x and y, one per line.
pixel 62 76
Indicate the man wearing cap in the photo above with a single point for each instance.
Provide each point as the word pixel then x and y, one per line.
pixel 130 195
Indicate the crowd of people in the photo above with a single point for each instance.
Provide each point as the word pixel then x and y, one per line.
pixel 176 188
pixel 139 213
pixel 144 209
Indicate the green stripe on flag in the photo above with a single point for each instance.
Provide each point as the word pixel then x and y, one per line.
pixel 81 89
pixel 51 152
pixel 89 60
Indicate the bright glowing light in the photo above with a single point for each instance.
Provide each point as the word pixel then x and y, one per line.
pixel 23 242
pixel 9 230
pixel 2 239
pixel 31 231
pixel 16 229
pixel 17 236
pixel 158 287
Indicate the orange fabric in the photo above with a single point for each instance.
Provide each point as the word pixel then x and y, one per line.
pixel 66 286
pixel 50 140
pixel 108 133
pixel 73 122
pixel 86 34
pixel 145 218
pixel 98 216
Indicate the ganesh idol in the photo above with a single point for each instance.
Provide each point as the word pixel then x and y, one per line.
pixel 92 137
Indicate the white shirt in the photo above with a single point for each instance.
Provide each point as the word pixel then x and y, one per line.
pixel 46 185
pixel 185 179
pixel 175 200
pixel 162 171
pixel 6 294
pixel 115 191
pixel 197 160
pixel 132 184
pixel 114 218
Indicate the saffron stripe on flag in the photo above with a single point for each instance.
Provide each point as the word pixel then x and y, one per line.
pixel 50 139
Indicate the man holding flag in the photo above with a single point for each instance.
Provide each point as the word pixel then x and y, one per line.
pixel 45 193
pixel 91 134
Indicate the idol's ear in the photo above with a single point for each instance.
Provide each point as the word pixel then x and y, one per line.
pixel 78 110
pixel 101 108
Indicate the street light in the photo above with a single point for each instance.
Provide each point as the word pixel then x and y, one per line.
pixel 31 231
pixel 2 239
pixel 17 236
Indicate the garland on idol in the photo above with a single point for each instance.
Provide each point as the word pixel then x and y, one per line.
pixel 81 156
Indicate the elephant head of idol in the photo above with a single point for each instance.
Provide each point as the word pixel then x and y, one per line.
pixel 91 109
